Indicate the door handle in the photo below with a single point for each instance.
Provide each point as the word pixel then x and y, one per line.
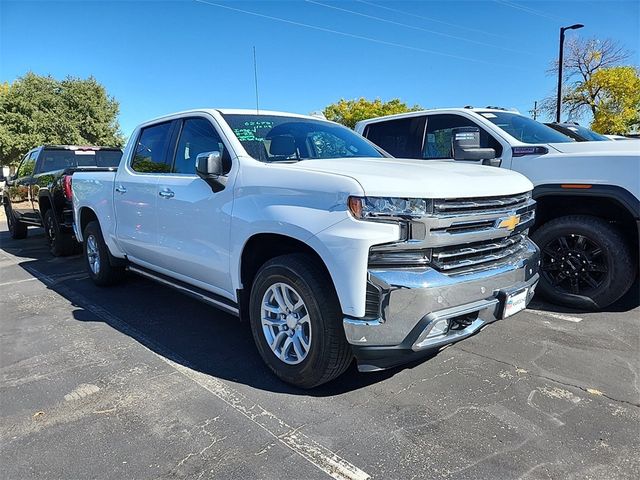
pixel 166 193
pixel 121 189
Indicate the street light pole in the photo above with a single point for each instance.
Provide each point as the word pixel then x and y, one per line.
pixel 560 61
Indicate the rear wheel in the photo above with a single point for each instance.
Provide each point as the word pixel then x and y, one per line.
pixel 296 321
pixel 96 255
pixel 60 243
pixel 17 229
pixel 585 262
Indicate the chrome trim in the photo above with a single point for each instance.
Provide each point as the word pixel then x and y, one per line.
pixel 445 260
pixel 409 295
pixel 441 206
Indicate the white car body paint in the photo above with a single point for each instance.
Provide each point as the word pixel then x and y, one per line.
pixel 198 236
pixel 597 163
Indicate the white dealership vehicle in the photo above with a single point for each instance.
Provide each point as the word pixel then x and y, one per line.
pixel 330 249
pixel 587 193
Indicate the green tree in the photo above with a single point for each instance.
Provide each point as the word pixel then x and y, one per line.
pixel 615 94
pixel 583 58
pixel 36 110
pixel 349 112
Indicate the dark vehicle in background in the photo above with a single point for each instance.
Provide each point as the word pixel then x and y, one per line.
pixel 39 194
pixel 578 132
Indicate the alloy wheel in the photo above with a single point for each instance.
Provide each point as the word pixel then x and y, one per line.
pixel 574 263
pixel 93 254
pixel 286 323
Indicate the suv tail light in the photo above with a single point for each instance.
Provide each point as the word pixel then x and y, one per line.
pixel 66 187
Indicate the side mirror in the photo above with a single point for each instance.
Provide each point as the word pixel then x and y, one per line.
pixel 210 168
pixel 465 144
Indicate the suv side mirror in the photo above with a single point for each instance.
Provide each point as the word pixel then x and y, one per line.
pixel 210 168
pixel 465 144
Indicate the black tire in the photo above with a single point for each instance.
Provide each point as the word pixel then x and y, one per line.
pixel 17 229
pixel 105 274
pixel 585 262
pixel 329 354
pixel 60 244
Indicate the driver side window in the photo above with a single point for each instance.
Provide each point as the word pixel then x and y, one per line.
pixel 437 142
pixel 198 136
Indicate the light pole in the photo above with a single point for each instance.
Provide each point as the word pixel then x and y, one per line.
pixel 560 60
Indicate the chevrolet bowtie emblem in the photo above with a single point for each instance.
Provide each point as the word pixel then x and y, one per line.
pixel 510 222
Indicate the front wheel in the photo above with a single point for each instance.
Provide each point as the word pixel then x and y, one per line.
pixel 96 256
pixel 585 262
pixel 296 321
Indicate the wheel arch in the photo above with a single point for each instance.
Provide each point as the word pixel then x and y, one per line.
pixel 44 204
pixel 262 247
pixel 85 215
pixel 608 202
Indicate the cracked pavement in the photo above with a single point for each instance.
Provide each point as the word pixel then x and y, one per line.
pixel 139 381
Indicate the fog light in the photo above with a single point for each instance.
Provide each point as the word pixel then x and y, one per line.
pixel 439 328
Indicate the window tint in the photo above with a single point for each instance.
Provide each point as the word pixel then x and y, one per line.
pixel 198 136
pixel 51 160
pixel 437 142
pixel 401 138
pixel 150 154
pixel 27 166
pixel 525 129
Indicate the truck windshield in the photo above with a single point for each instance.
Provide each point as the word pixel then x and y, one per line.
pixel 58 159
pixel 525 129
pixel 275 138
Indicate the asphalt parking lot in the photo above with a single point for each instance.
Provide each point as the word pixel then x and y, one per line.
pixel 139 381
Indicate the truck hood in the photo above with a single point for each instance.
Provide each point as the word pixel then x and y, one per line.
pixel 614 148
pixel 394 177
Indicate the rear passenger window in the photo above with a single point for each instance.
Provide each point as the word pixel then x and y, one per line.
pixel 401 138
pixel 150 154
pixel 198 136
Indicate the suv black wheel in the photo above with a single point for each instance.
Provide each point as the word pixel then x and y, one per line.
pixel 96 256
pixel 586 262
pixel 60 244
pixel 296 321
pixel 17 229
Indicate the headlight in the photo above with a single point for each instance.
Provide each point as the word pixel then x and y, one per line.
pixel 364 208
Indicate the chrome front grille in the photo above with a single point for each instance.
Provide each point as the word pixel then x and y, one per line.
pixel 478 254
pixel 480 205
pixel 459 235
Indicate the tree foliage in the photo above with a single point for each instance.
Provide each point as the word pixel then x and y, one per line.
pixel 350 112
pixel 36 110
pixel 584 58
pixel 616 94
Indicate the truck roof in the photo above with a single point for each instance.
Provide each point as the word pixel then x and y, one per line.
pixel 433 110
pixel 230 111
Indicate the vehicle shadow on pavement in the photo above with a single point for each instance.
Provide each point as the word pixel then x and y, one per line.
pixel 171 324
pixel 167 322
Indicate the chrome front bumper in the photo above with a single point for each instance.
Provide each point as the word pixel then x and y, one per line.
pixel 412 301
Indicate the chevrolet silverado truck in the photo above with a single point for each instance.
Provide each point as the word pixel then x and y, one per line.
pixel 330 249
pixel 587 193
pixel 39 194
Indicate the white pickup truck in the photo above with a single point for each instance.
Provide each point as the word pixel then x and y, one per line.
pixel 327 247
pixel 587 193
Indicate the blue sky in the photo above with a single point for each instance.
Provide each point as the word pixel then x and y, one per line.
pixel 158 57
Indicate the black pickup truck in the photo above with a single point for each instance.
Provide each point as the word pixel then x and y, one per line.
pixel 40 194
